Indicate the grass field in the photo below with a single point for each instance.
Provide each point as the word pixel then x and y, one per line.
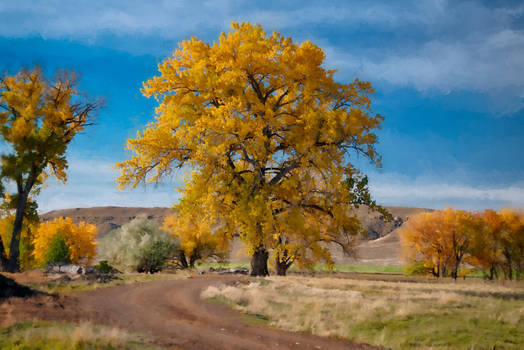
pixel 65 336
pixel 319 268
pixel 400 314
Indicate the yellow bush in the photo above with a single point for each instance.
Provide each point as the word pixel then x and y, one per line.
pixel 79 239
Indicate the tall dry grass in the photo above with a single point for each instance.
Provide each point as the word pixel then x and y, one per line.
pixel 393 314
pixel 53 335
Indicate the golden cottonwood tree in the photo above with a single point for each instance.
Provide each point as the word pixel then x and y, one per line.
pixel 498 243
pixel 440 239
pixel 38 119
pixel 78 240
pixel 269 135
pixel 486 243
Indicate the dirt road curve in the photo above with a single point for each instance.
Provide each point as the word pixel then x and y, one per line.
pixel 173 313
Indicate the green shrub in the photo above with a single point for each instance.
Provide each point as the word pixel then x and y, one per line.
pixel 153 257
pixel 138 246
pixel 417 268
pixel 57 251
pixel 104 266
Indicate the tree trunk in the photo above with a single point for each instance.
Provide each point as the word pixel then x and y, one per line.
pixel 182 259
pixel 192 260
pixel 259 262
pixel 436 272
pixel 14 250
pixel 282 266
pixel 3 257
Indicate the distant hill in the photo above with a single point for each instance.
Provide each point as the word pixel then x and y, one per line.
pixel 108 218
pixel 380 247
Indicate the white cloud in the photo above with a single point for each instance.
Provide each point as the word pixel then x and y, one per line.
pixel 433 46
pixel 397 189
pixel 492 65
pixel 91 182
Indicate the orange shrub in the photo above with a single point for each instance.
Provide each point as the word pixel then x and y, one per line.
pixel 79 239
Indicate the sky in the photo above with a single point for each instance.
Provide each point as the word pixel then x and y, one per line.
pixel 448 75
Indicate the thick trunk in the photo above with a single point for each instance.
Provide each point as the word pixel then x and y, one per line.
pixel 14 250
pixel 282 266
pixel 259 262
pixel 182 259
pixel 192 260
pixel 436 271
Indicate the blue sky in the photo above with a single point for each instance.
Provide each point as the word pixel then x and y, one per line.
pixel 449 78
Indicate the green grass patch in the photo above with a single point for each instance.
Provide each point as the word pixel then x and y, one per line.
pixel 366 269
pixel 439 331
pixel 369 269
pixel 255 319
pixel 226 265
pixel 66 336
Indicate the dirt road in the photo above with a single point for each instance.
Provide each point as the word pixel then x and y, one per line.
pixel 171 312
pixel 175 316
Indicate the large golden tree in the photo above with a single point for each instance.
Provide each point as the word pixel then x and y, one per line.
pixel 269 136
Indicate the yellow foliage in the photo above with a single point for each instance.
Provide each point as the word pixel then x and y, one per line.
pixel 26 237
pixel 440 238
pixel 200 236
pixel 269 135
pixel 489 240
pixel 80 239
pixel 38 119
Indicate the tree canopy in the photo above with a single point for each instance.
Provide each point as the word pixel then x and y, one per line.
pixel 269 136
pixel 38 119
pixel 489 240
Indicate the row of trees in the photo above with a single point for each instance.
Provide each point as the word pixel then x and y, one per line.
pixel 489 240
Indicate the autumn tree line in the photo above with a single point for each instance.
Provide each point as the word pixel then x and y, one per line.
pixel 441 241
pixel 140 245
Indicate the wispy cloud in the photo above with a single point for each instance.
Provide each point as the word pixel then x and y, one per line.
pixel 91 182
pixel 433 46
pixel 492 64
pixel 398 189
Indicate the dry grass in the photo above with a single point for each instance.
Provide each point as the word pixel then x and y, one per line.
pixel 78 284
pixel 416 314
pixel 52 335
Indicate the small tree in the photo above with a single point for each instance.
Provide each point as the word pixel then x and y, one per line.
pixel 498 244
pixel 38 119
pixel 486 243
pixel 513 241
pixel 63 240
pixel 200 236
